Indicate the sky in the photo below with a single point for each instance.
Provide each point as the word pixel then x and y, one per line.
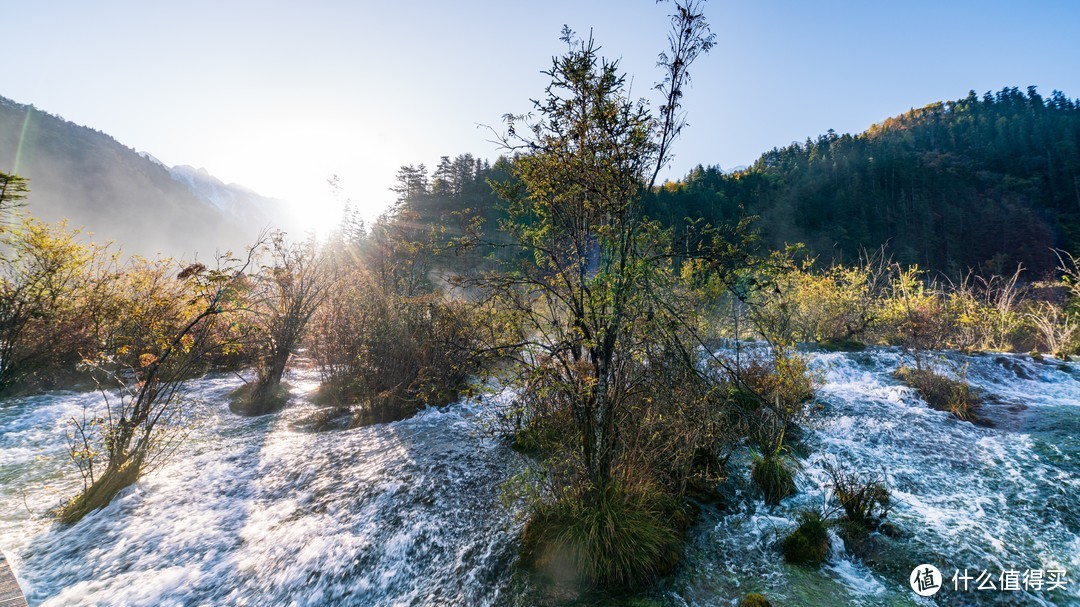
pixel 281 96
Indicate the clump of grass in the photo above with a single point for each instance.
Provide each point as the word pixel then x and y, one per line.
pixel 774 474
pixel 619 540
pixel 809 542
pixel 942 392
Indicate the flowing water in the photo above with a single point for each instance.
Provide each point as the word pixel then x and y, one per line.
pixel 265 511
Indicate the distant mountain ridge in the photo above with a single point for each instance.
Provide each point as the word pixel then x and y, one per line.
pixel 234 201
pixel 118 194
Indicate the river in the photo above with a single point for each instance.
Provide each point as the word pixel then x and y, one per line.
pixel 265 511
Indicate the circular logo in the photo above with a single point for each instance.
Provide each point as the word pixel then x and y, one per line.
pixel 926 580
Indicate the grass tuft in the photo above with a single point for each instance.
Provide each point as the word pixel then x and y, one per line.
pixel 774 474
pixel 808 543
pixel 620 541
pixel 865 499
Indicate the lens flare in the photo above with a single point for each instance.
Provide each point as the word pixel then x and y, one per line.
pixel 22 139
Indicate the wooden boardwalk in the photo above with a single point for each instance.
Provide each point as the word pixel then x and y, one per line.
pixel 10 593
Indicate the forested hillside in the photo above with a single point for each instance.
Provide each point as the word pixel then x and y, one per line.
pixel 97 183
pixel 978 183
pixel 982 183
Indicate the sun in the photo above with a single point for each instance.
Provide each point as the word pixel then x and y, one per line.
pixel 318 213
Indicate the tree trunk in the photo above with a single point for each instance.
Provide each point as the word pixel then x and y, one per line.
pixel 114 480
pixel 265 395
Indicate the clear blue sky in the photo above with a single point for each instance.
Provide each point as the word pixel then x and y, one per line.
pixel 278 96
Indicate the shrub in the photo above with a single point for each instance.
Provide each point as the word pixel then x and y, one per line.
pixel 283 296
pixel 842 345
pixel 144 423
pixel 773 392
pixel 541 437
pixel 942 392
pixel 983 313
pixel 914 314
pixel 808 544
pixel 1055 329
pixel 837 304
pixel 388 355
pixel 56 293
pixel 864 499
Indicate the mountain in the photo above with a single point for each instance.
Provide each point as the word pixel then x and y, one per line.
pixel 118 194
pixel 235 202
pixel 981 183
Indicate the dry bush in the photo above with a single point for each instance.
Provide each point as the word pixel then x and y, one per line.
pixel 1055 328
pixel 942 392
pixel 864 498
pixel 984 313
pixel 389 355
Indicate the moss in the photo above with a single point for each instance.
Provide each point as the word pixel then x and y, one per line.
pixel 773 474
pixel 754 599
pixel 808 543
pixel 618 541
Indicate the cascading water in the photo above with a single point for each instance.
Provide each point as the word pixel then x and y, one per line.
pixel 965 497
pixel 258 511
pixel 264 511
